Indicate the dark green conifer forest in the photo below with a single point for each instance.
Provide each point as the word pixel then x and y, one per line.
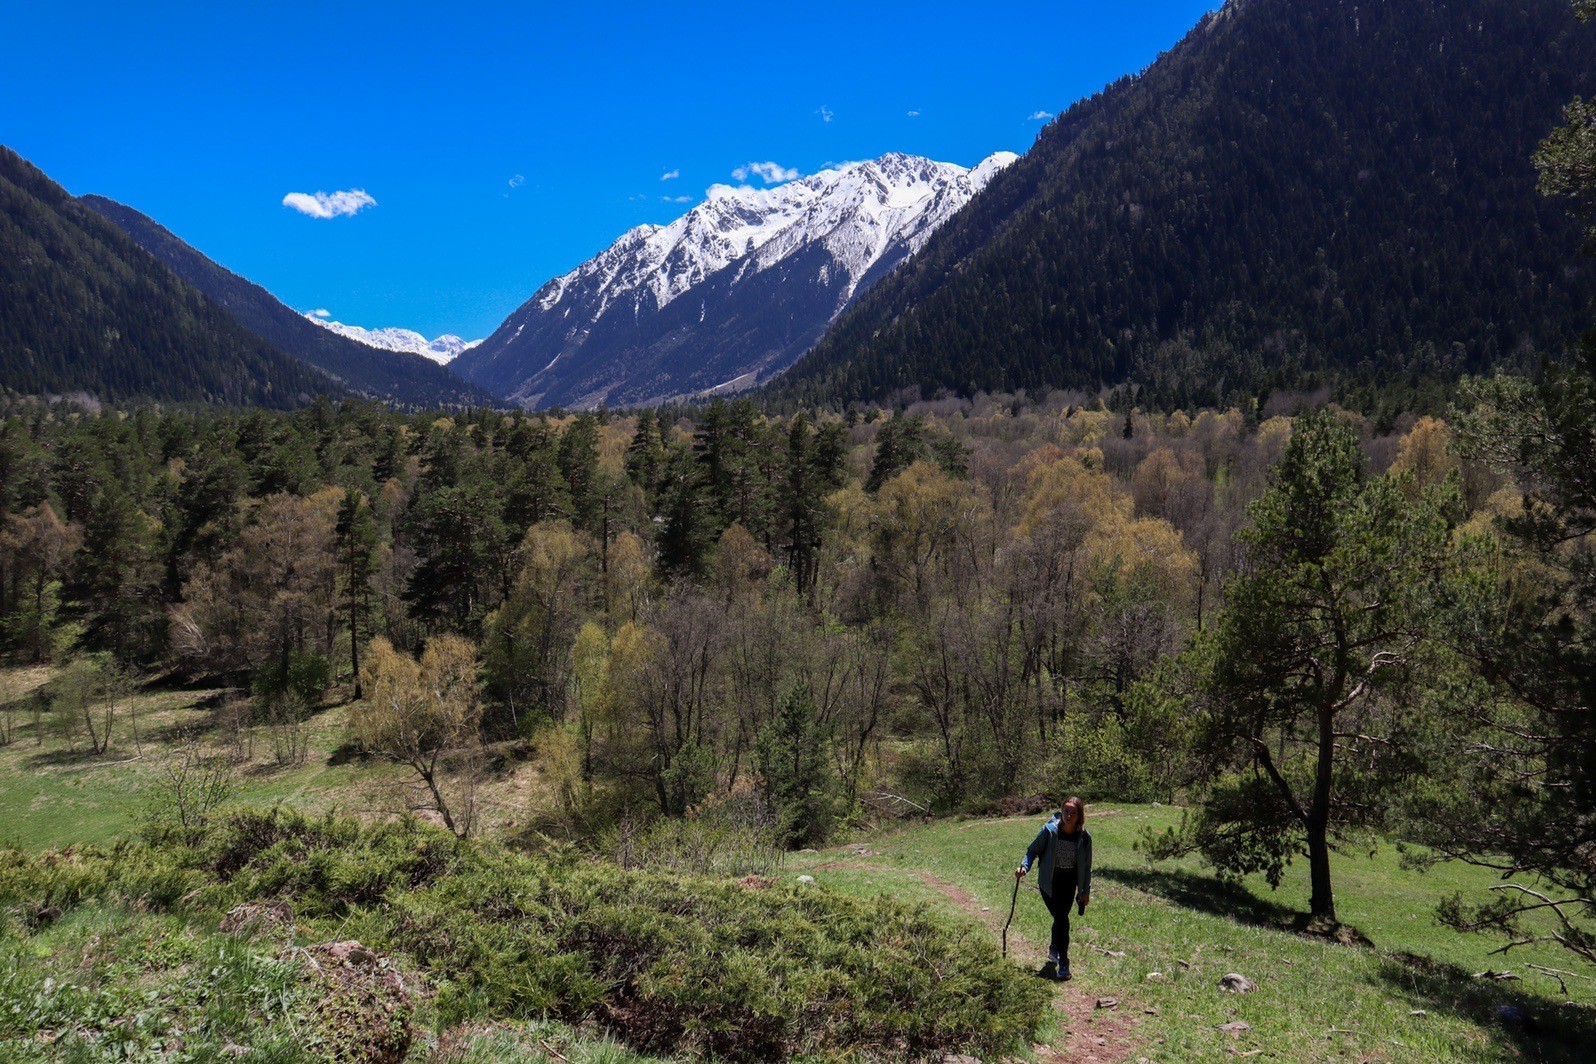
pixel 86 310
pixel 1299 195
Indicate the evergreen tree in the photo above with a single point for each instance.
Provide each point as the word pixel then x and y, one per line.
pixel 899 444
pixel 685 529
pixel 1322 634
pixel 579 465
pixel 794 771
pixel 114 580
pixel 357 546
pixel 646 453
pixel 800 506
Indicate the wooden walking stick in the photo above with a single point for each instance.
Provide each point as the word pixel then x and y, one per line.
pixel 1012 902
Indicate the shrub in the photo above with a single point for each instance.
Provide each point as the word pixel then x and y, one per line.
pixel 794 766
pixel 729 835
pixel 668 962
pixel 1094 758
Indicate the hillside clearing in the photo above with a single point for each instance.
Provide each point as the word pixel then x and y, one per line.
pixel 1409 996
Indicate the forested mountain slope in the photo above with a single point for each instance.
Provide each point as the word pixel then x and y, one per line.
pixel 395 377
pixel 84 309
pixel 1302 192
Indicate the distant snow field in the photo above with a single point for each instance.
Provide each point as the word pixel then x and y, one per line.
pixel 443 350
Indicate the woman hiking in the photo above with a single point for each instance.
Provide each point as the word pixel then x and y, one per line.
pixel 1064 848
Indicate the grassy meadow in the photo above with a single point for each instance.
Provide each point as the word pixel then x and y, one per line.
pixel 55 796
pixel 1148 955
pixel 1407 995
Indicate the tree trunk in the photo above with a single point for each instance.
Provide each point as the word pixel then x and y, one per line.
pixel 38 618
pixel 1321 902
pixel 354 637
pixel 430 778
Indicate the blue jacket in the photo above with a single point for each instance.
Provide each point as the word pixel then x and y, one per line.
pixel 1042 848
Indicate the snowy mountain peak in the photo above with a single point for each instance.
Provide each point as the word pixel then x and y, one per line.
pixel 443 350
pixel 988 167
pixel 611 330
pixel 859 208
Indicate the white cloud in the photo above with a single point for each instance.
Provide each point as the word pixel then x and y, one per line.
pixel 914 114
pixel 677 199
pixel 670 175
pixel 769 173
pixel 825 114
pixel 329 204
pixel 1039 116
pixel 517 181
pixel 321 312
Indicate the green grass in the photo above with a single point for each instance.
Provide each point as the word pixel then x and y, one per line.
pixel 54 796
pixel 532 1042
pixel 1316 1000
pixel 103 984
pixel 1409 995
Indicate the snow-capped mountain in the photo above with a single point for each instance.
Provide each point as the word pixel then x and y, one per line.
pixel 443 350
pixel 727 295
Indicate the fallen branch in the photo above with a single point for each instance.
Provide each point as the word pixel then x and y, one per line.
pixel 1561 976
pixel 887 798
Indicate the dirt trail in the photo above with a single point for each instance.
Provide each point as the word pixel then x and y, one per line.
pixel 1090 1035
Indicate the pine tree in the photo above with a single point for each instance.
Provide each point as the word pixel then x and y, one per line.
pixel 646 453
pixel 579 465
pixel 797 778
pixel 357 546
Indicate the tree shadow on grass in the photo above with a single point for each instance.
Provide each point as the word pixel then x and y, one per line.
pixel 69 758
pixel 1538 1028
pixel 347 752
pixel 176 733
pixel 1209 894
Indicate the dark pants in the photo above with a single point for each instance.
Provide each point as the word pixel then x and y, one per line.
pixel 1058 903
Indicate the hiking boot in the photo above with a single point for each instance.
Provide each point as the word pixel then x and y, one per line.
pixel 1062 973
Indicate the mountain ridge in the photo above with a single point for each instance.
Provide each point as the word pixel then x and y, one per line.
pixel 1294 196
pixel 442 349
pixel 731 291
pixel 86 309
pixel 403 379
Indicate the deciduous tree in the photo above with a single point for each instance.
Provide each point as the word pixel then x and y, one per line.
pixel 418 713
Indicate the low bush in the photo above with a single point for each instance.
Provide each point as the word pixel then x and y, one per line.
pixel 669 963
pixel 730 835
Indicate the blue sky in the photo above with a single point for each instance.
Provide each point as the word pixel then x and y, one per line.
pixel 205 116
